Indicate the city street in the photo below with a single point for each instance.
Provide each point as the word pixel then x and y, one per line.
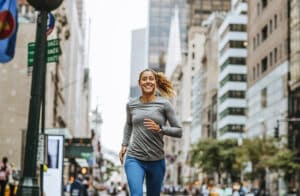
pixel 199 97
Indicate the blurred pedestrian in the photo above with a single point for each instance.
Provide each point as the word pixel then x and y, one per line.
pixel 112 189
pixel 4 174
pixel 145 127
pixel 77 188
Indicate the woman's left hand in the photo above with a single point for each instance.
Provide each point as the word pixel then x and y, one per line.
pixel 151 125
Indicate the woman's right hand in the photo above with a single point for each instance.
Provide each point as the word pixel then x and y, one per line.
pixel 122 153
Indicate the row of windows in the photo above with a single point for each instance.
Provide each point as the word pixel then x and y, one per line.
pixel 233 78
pixel 266 30
pixel 233 61
pixel 233 95
pixel 233 111
pixel 261 5
pixel 234 28
pixel 232 128
pixel 269 60
pixel 233 44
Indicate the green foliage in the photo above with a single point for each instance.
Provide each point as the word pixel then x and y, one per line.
pixel 225 156
pixel 215 156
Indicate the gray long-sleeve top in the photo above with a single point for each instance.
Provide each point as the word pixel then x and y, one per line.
pixel 147 145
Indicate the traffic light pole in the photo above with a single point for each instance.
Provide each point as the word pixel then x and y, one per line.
pixel 29 185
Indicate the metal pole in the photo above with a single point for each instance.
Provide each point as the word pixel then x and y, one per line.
pixel 29 185
pixel 43 131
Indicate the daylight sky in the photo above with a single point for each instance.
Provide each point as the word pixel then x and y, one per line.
pixel 111 24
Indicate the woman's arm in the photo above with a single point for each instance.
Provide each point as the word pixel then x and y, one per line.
pixel 127 128
pixel 175 129
pixel 126 134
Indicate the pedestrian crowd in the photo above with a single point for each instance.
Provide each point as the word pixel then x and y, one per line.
pixel 9 178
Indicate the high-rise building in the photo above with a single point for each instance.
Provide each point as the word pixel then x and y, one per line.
pixel 200 15
pixel 268 67
pixel 232 72
pixel 138 60
pixel 77 86
pixel 294 96
pixel 201 9
pixel 15 83
pixel 159 19
pixel 206 81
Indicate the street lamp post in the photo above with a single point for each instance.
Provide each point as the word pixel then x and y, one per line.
pixel 29 184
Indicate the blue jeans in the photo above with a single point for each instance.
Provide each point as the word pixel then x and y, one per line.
pixel 136 170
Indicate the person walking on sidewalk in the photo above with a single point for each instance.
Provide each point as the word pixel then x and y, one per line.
pixel 4 174
pixel 144 131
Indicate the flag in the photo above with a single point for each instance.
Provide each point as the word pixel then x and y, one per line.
pixel 8 29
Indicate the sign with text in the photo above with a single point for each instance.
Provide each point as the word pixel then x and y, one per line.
pixel 53 177
pixel 53 52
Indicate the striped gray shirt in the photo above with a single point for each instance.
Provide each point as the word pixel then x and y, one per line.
pixel 145 144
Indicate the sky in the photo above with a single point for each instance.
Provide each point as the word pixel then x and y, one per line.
pixel 111 24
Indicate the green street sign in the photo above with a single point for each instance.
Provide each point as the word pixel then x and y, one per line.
pixel 53 52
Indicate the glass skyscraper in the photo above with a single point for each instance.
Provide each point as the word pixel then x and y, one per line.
pixel 159 20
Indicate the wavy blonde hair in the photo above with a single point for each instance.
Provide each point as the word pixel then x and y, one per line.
pixel 164 86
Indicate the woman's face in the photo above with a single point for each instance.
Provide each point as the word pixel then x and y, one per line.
pixel 147 82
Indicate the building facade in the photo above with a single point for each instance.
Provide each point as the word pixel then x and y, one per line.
pixel 294 57
pixel 159 19
pixel 232 83
pixel 210 76
pixel 268 67
pixel 77 83
pixel 199 12
pixel 195 55
pixel 138 60
pixel 15 96
pixel 201 9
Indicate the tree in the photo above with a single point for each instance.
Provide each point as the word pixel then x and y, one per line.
pixel 212 155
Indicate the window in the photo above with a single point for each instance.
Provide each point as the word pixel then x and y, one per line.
pixel 254 42
pixel 232 128
pixel 233 44
pixel 233 78
pixel 257 70
pixel 258 9
pixel 264 64
pixel 264 3
pixel 264 98
pixel 238 27
pixel 275 21
pixel 270 59
pixel 232 112
pixel 232 94
pixel 236 44
pixel 275 55
pixel 280 51
pixel 234 61
pixel 257 39
pixel 254 72
pixel 264 33
pixel 270 25
pixel 193 55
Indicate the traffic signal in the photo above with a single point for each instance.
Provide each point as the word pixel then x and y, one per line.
pixel 84 170
pixel 276 130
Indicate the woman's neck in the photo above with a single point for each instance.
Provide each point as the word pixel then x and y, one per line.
pixel 148 98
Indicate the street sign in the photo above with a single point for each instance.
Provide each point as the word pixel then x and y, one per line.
pixel 41 149
pixel 53 52
pixel 50 24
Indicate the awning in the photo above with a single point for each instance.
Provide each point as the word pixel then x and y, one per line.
pixel 59 131
pixel 81 162
pixel 77 151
